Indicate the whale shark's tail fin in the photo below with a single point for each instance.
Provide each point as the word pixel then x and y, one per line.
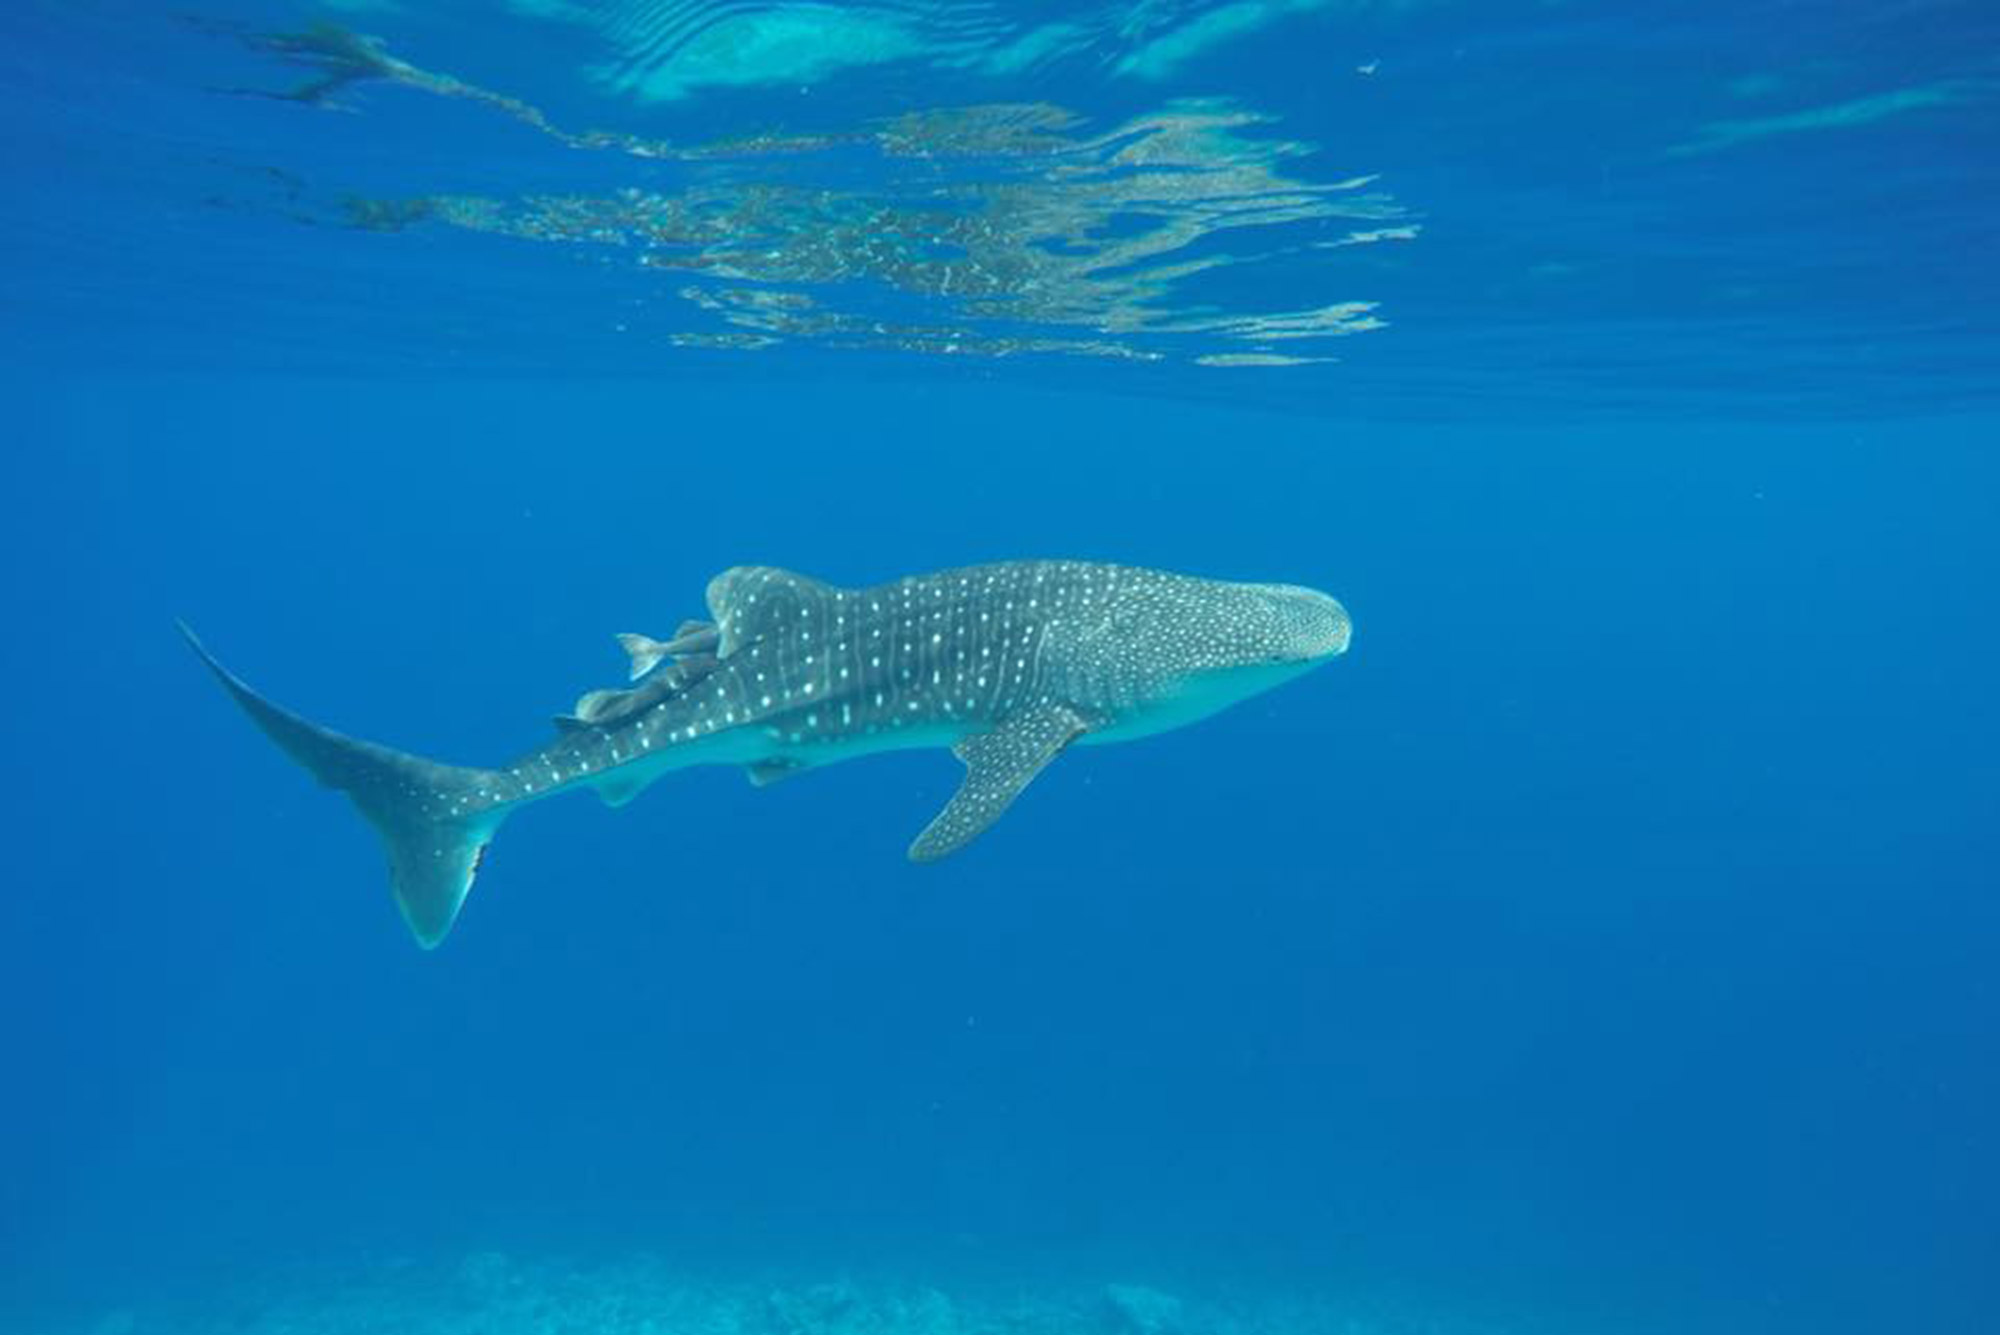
pixel 434 820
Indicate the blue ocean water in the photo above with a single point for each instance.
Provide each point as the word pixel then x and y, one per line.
pixel 1604 944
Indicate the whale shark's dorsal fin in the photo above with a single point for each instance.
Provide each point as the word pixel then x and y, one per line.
pixel 998 765
pixel 747 601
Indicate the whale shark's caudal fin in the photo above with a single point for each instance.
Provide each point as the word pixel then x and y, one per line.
pixel 433 819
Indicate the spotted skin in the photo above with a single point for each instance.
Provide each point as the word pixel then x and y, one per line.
pixel 1007 664
pixel 998 765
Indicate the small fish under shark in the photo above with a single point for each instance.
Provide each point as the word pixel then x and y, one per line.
pixel 1006 664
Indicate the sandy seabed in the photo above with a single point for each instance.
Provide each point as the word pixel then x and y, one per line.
pixel 493 1294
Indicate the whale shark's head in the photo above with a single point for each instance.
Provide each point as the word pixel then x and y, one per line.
pixel 1183 650
pixel 1269 624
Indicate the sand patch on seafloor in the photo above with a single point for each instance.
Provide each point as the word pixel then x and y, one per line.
pixel 492 1294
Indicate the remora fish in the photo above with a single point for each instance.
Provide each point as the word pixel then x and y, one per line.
pixel 1006 664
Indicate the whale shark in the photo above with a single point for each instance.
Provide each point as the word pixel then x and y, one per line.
pixel 1005 664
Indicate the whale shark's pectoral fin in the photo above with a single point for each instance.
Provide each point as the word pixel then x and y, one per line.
pixel 998 765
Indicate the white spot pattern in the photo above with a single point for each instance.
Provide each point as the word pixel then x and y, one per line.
pixel 975 650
